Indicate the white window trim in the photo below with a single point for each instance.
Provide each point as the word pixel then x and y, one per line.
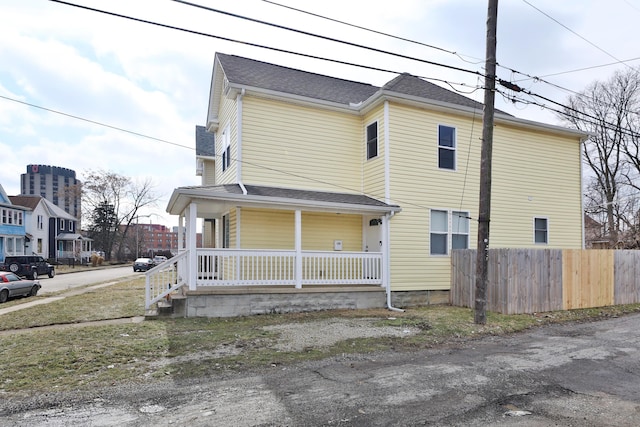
pixel 450 232
pixel 226 144
pixel 534 230
pixel 366 140
pixel 454 148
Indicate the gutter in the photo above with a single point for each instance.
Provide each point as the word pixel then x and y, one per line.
pixel 239 141
pixel 387 262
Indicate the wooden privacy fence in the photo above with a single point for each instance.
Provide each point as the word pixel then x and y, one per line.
pixel 539 280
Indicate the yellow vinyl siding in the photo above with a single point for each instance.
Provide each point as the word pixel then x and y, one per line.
pixel 373 170
pixel 228 117
pixel 267 229
pixel 275 229
pixel 418 185
pixel 209 172
pixel 295 146
pixel 534 174
pixel 319 230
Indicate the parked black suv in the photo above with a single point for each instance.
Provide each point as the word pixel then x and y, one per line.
pixel 31 266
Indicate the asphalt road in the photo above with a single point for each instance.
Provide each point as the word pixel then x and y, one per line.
pixel 62 282
pixel 563 375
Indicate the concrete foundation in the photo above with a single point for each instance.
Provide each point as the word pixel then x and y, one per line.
pixel 247 301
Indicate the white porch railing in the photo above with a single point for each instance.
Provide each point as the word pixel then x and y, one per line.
pixel 165 278
pixel 239 267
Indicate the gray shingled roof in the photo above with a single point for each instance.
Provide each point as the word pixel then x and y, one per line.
pixel 293 194
pixel 205 142
pixel 249 72
pixel 408 84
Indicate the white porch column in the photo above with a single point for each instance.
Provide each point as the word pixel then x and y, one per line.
pixel 298 248
pixel 192 259
pixel 181 242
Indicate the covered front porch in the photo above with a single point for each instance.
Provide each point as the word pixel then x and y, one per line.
pixel 338 250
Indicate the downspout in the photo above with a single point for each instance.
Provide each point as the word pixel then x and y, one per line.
pixel 387 198
pixel 387 261
pixel 239 141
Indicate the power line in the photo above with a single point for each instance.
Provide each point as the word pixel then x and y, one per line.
pixel 95 122
pixel 575 33
pixel 373 49
pixel 375 31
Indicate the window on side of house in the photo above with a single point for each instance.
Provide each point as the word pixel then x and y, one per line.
pixel 61 224
pixel 449 229
pixel 40 222
pixel 226 148
pixel 225 231
pixel 446 147
pixel 372 140
pixel 459 230
pixel 541 231
pixel 439 232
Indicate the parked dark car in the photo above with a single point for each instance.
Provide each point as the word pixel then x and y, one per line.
pixel 143 264
pixel 12 286
pixel 29 266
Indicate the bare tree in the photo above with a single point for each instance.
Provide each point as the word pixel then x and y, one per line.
pixel 124 198
pixel 608 111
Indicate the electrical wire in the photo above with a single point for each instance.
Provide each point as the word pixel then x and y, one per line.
pixel 478 60
pixel 373 49
pixel 575 33
pixel 95 122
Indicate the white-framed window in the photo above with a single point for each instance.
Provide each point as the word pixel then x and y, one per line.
pixel 226 148
pixel 225 231
pixel 61 224
pixel 540 230
pixel 448 229
pixel 40 220
pixel 446 147
pixel 372 140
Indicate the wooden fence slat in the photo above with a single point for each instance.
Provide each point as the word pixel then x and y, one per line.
pixel 539 280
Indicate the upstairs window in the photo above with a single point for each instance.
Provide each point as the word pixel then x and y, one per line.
pixel 541 230
pixel 446 147
pixel 40 222
pixel 226 149
pixel 372 140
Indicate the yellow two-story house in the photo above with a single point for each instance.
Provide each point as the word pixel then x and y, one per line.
pixel 319 192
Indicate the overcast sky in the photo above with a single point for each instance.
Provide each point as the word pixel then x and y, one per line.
pixel 155 81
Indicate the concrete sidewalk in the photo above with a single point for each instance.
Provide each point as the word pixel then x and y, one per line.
pixel 49 299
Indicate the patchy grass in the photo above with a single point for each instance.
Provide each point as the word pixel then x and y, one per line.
pixel 78 357
pixel 124 299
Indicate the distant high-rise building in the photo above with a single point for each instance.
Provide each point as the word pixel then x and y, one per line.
pixel 56 184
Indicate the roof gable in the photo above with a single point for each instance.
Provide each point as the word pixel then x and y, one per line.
pixel 249 72
pixel 27 201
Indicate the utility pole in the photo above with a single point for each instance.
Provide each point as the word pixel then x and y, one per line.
pixel 484 209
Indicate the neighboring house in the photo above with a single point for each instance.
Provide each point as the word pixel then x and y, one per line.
pixel 595 235
pixel 53 232
pixel 13 233
pixel 328 185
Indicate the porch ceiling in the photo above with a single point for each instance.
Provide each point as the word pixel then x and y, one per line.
pixel 213 201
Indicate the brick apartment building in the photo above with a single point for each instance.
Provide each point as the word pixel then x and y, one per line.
pixel 156 238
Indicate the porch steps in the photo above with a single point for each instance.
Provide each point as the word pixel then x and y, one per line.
pixel 173 307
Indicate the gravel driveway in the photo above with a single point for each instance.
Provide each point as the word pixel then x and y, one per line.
pixel 560 375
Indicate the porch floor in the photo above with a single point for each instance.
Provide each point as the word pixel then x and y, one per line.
pixel 284 289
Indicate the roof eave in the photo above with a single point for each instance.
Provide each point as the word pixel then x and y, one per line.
pixel 234 89
pixel 181 197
